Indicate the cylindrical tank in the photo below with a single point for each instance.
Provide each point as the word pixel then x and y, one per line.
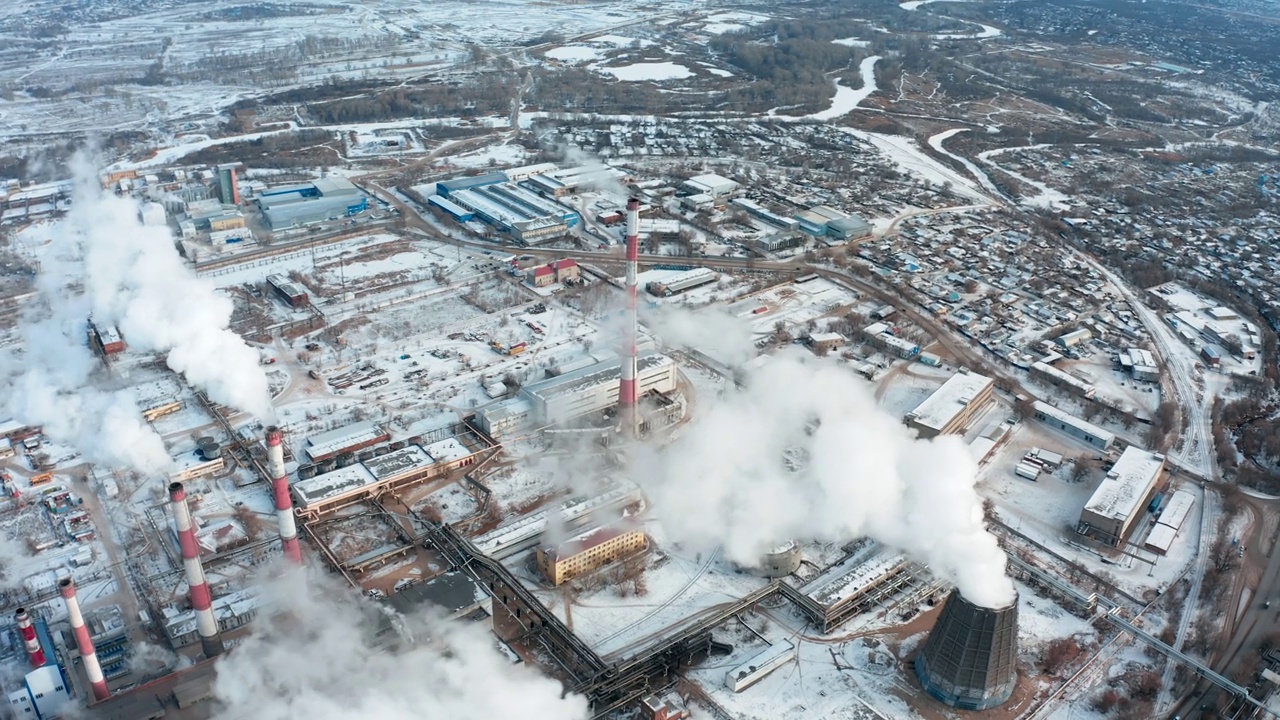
pixel 399 445
pixel 780 561
pixel 970 659
pixel 306 471
pixel 328 465
pixel 210 449
pixel 364 455
pixel 415 440
pixel 346 459
pixel 381 451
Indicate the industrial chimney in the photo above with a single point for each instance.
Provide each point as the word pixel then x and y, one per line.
pixel 284 503
pixel 84 643
pixel 201 598
pixel 627 392
pixel 35 653
pixel 969 660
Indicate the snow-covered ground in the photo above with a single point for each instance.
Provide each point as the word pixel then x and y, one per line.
pixel 637 72
pixel 846 98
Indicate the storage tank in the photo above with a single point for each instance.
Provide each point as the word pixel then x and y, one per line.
pixel 381 451
pixel 780 561
pixel 210 449
pixel 346 460
pixel 415 440
pixel 306 472
pixel 328 466
pixel 970 659
pixel 364 455
pixel 398 445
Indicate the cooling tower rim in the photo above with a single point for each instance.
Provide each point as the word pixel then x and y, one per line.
pixel 1000 608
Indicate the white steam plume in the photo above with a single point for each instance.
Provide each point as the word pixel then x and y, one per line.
pixel 857 471
pixel 134 278
pixel 320 664
pixel 53 381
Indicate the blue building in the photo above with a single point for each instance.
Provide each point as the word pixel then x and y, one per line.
pixel 325 199
pixel 45 691
pixel 448 187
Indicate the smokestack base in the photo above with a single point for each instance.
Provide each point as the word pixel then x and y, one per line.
pixel 969 661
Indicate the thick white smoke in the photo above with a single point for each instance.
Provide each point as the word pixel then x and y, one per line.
pixel 321 664
pixel 134 278
pixel 52 379
pixel 850 470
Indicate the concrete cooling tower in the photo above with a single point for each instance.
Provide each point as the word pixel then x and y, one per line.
pixel 969 660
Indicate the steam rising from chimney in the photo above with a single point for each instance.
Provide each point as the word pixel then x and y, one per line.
pixel 104 263
pixel 855 471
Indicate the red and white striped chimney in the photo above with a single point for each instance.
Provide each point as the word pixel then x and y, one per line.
pixel 84 643
pixel 201 598
pixel 28 630
pixel 280 488
pixel 627 394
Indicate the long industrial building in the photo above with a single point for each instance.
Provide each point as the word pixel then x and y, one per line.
pixel 375 476
pixel 349 438
pixel 1122 496
pixel 574 394
pixel 508 206
pixel 1077 428
pixel 953 406
pixel 325 199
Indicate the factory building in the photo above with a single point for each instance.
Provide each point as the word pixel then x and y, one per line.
pixel 881 336
pixel 1075 337
pixel 824 342
pixel 587 552
pixel 1121 497
pixel 558 271
pixel 106 339
pixel 181 627
pixel 455 211
pixel 292 206
pixel 951 408
pixel 394 471
pixel 712 185
pixel 454 594
pixel 1077 428
pixel 347 439
pixel 529 217
pixel 686 280
pixel 970 659
pixel 756 210
pixel 558 183
pixel 595 389
pixel 289 291
pixel 1161 536
pixel 1139 363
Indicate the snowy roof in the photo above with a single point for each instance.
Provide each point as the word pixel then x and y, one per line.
pixel 853 576
pixel 343 437
pixel 448 450
pixel 1126 484
pixel 333 484
pixel 763 659
pixel 1161 537
pixel 1070 420
pixel 398 462
pixel 451 592
pixel 711 181
pixel 826 337
pixel 604 372
pixel 1177 508
pixel 584 541
pixel 949 400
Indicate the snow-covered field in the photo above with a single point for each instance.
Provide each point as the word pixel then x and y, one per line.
pixel 649 71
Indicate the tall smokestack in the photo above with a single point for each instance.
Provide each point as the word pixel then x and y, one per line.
pixel 627 395
pixel 284 503
pixel 201 598
pixel 34 652
pixel 84 643
pixel 970 659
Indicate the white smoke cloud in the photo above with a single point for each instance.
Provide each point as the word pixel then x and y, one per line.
pixel 321 664
pixel 53 380
pixel 859 472
pixel 134 278
pixel 712 331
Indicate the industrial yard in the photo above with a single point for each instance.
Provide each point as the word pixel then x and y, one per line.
pixel 638 362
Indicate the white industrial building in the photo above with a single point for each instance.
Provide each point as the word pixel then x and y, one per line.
pixel 1120 499
pixel 716 186
pixel 1140 363
pixel 574 394
pixel 1161 536
pixel 953 406
pixel 1078 428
